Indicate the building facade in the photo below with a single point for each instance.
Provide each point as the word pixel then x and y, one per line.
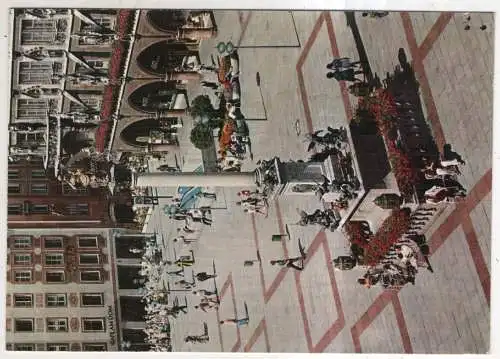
pixel 87 86
pixel 60 291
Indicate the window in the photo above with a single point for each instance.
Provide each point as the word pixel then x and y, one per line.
pixel 92 299
pixel 57 324
pixel 96 64
pixel 90 276
pixel 99 19
pixel 22 242
pixel 90 102
pixel 15 209
pixel 38 32
pixel 13 174
pixel 77 209
pixel 55 300
pixel 22 259
pixel 38 174
pixel 57 347
pixel 87 242
pixel 39 209
pixel 22 276
pixel 54 277
pixel 93 324
pixel 28 139
pixel 23 300
pixel 67 189
pixel 53 242
pixel 23 325
pixel 39 188
pixel 24 347
pixel 54 259
pixel 88 258
pixel 94 347
pixel 32 108
pixel 37 72
pixel 14 188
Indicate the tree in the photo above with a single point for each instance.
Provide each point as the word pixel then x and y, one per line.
pixel 201 136
pixel 202 106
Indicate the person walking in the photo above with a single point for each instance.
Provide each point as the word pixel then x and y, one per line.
pixel 207 305
pixel 204 292
pixel 342 63
pixel 203 276
pixel 179 272
pixel 344 75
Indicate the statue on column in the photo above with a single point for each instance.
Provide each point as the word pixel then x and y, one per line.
pixel 40 13
pixel 40 53
pixel 95 38
pixel 84 79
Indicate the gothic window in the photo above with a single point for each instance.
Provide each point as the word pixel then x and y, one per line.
pixel 37 32
pixel 32 108
pixel 93 103
pixel 38 72
pixel 102 20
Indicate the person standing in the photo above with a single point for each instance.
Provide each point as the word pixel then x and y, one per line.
pixel 203 276
pixel 344 75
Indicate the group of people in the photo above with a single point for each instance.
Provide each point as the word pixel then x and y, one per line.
pixel 253 202
pixel 441 176
pixel 343 69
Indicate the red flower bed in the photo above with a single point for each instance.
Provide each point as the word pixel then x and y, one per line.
pixel 389 233
pixel 117 61
pixel 381 105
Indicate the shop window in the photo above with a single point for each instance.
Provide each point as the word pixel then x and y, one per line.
pixel 92 299
pixel 94 347
pixel 79 209
pixel 38 174
pixel 14 188
pixel 24 347
pixel 93 324
pixel 13 174
pixel 57 347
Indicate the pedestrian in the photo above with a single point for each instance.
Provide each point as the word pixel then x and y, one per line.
pixel 342 63
pixel 206 306
pixel 237 322
pixel 185 284
pixel 204 292
pixel 344 75
pixel 179 308
pixel 289 263
pixel 184 263
pixel 203 276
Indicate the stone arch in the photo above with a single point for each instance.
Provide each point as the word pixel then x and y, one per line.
pixel 153 97
pixel 138 133
pixel 167 20
pixel 163 56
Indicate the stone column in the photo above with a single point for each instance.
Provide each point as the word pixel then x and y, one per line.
pixel 182 76
pixel 224 179
pixel 197 33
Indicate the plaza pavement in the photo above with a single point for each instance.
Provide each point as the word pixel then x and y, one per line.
pixel 319 309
